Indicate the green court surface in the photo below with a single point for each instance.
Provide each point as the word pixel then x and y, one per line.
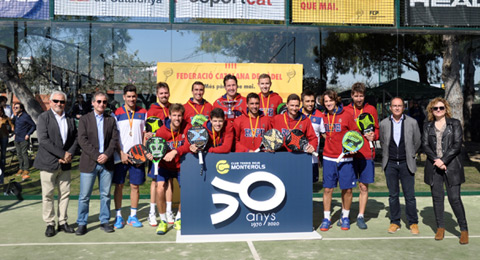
pixel 22 237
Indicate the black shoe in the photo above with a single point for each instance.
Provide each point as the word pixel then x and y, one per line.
pixel 107 228
pixel 50 232
pixel 66 228
pixel 81 230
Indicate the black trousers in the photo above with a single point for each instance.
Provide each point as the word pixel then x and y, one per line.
pixel 453 193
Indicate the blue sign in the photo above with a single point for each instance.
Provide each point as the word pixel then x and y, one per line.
pixel 246 193
pixel 29 9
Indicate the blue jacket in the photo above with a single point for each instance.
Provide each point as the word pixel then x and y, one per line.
pixel 24 125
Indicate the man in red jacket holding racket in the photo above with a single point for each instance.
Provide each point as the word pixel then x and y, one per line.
pixel 363 163
pixel 220 132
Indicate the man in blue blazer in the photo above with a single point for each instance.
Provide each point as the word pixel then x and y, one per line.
pixel 57 138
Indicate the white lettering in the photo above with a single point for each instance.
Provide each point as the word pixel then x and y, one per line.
pixel 445 3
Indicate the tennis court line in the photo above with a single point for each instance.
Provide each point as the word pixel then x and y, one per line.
pixel 250 243
pixel 253 250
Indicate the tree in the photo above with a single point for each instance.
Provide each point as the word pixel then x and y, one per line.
pixel 451 76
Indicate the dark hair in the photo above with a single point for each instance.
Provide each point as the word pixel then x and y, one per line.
pixel 293 97
pixel 229 77
pixel 176 108
pixel 217 112
pixel 332 94
pixel 129 88
pixel 308 92
pixel 358 87
pixel 403 101
pixel 252 95
pixel 22 107
pixel 198 83
pixel 162 85
pixel 3 98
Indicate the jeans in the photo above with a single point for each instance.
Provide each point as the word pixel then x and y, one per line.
pixel 87 179
pixel 397 172
pixel 453 193
pixel 3 144
pixel 22 155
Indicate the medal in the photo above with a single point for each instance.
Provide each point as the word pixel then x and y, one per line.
pixel 130 133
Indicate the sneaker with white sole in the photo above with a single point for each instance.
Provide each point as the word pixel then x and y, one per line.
pixel 170 218
pixel 178 224
pixel 152 220
pixel 162 228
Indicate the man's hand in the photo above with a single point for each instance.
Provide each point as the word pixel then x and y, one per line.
pixel 370 136
pixel 309 149
pixel 149 156
pixel 102 158
pixel 148 135
pixel 193 148
pixel 62 161
pixel 125 158
pixel 27 137
pixel 68 157
pixel 170 155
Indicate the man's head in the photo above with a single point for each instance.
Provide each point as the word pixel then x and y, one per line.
pixel 3 101
pixel 217 118
pixel 293 105
pixel 163 93
pixel 358 94
pixel 198 89
pixel 176 115
pixel 18 108
pixel 308 101
pixel 230 83
pixel 99 102
pixel 397 107
pixel 57 102
pixel 253 103
pixel 264 82
pixel 130 96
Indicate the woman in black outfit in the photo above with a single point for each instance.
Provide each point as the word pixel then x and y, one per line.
pixel 442 142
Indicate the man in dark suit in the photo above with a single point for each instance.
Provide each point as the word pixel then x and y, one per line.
pixel 57 137
pixel 98 137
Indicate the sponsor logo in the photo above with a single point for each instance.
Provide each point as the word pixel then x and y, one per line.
pixel 223 167
pixel 249 2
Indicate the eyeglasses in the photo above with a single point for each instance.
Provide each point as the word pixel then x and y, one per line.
pixel 438 108
pixel 16 108
pixel 102 101
pixel 58 101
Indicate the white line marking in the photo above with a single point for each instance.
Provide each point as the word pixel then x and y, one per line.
pixel 388 238
pixel 253 250
pixel 88 243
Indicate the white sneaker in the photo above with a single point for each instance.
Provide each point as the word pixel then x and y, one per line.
pixel 170 218
pixel 152 220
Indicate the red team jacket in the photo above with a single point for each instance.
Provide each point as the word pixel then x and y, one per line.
pixel 182 146
pixel 239 108
pixel 244 139
pixel 365 152
pixel 335 128
pixel 159 111
pixel 223 140
pixel 305 125
pixel 192 109
pixel 269 104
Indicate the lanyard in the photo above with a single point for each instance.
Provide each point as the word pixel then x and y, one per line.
pixel 265 108
pixel 285 119
pixel 201 111
pixel 130 120
pixel 355 111
pixel 330 125
pixel 175 143
pixel 215 138
pixel 254 131
pixel 165 114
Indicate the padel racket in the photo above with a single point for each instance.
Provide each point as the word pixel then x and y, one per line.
pixel 198 136
pixel 153 124
pixel 157 146
pixel 271 140
pixel 199 120
pixel 366 124
pixel 352 142
pixel 138 154
pixel 297 141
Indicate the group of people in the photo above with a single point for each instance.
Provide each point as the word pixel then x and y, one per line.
pixel 236 124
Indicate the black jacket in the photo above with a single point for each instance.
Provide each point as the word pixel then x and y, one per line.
pixel 451 148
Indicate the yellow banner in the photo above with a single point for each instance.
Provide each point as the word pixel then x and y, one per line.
pixel 343 11
pixel 286 78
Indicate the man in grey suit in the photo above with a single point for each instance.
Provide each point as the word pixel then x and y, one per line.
pixel 98 137
pixel 400 139
pixel 57 138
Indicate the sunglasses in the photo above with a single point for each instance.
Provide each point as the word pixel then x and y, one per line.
pixel 438 108
pixel 58 101
pixel 102 101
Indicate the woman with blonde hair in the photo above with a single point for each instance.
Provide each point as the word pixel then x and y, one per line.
pixel 442 142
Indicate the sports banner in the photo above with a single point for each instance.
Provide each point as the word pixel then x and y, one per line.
pixel 28 9
pixel 286 78
pixel 442 12
pixel 231 9
pixel 343 11
pixel 247 193
pixel 130 8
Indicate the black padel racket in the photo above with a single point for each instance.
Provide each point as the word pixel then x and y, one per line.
pixel 138 153
pixel 157 146
pixel 352 142
pixel 198 136
pixel 271 140
pixel 366 124
pixel 297 141
pixel 153 124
